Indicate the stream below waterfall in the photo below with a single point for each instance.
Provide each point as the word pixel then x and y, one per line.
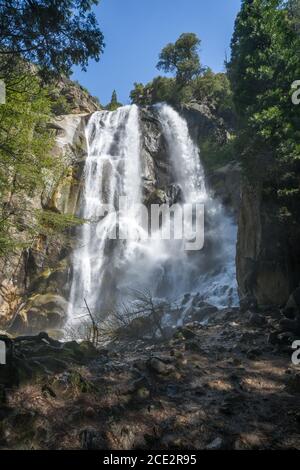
pixel 104 269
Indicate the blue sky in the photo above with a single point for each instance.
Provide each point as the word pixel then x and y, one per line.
pixel 136 30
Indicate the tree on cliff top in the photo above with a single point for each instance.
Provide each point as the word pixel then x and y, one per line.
pixel 114 104
pixel 53 34
pixel 181 57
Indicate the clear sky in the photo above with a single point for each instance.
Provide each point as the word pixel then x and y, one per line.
pixel 136 30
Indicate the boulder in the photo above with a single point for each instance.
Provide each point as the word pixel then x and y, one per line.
pixel 43 312
pixel 255 319
pixel 200 312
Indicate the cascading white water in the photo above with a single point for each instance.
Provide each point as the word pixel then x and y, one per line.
pixel 112 169
pixel 104 269
pixel 184 155
pixel 214 266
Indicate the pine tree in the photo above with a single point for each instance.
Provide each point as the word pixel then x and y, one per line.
pixel 114 104
pixel 263 66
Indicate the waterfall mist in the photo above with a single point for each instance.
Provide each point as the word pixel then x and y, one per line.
pixel 105 270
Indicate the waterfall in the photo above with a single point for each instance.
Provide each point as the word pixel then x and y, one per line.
pixel 184 155
pixel 112 169
pixel 214 266
pixel 104 269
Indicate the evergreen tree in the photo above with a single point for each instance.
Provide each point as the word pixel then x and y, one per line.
pixel 114 104
pixel 53 34
pixel 263 66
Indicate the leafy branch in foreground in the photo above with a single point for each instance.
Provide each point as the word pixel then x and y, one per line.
pixel 53 34
pixel 26 163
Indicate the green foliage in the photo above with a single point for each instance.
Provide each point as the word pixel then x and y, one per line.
pixel 59 103
pixel 25 139
pixel 209 88
pixel 215 155
pixel 214 90
pixel 39 40
pixel 114 104
pixel 161 89
pixel 52 34
pixel 51 224
pixel 192 81
pixel 26 163
pixel 181 58
pixel 263 66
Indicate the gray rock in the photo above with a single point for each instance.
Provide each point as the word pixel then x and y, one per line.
pixel 216 444
pixel 199 312
pixel 255 319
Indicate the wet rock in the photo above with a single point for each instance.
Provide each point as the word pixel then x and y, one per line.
pixel 198 300
pixel 42 312
pixel 174 194
pixel 229 314
pixel 200 312
pixel 186 299
pixel 156 197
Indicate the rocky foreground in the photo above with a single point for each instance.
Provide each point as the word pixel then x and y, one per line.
pixel 228 385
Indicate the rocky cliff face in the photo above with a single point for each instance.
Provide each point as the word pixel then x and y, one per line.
pixel 267 255
pixel 78 99
pixel 38 284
